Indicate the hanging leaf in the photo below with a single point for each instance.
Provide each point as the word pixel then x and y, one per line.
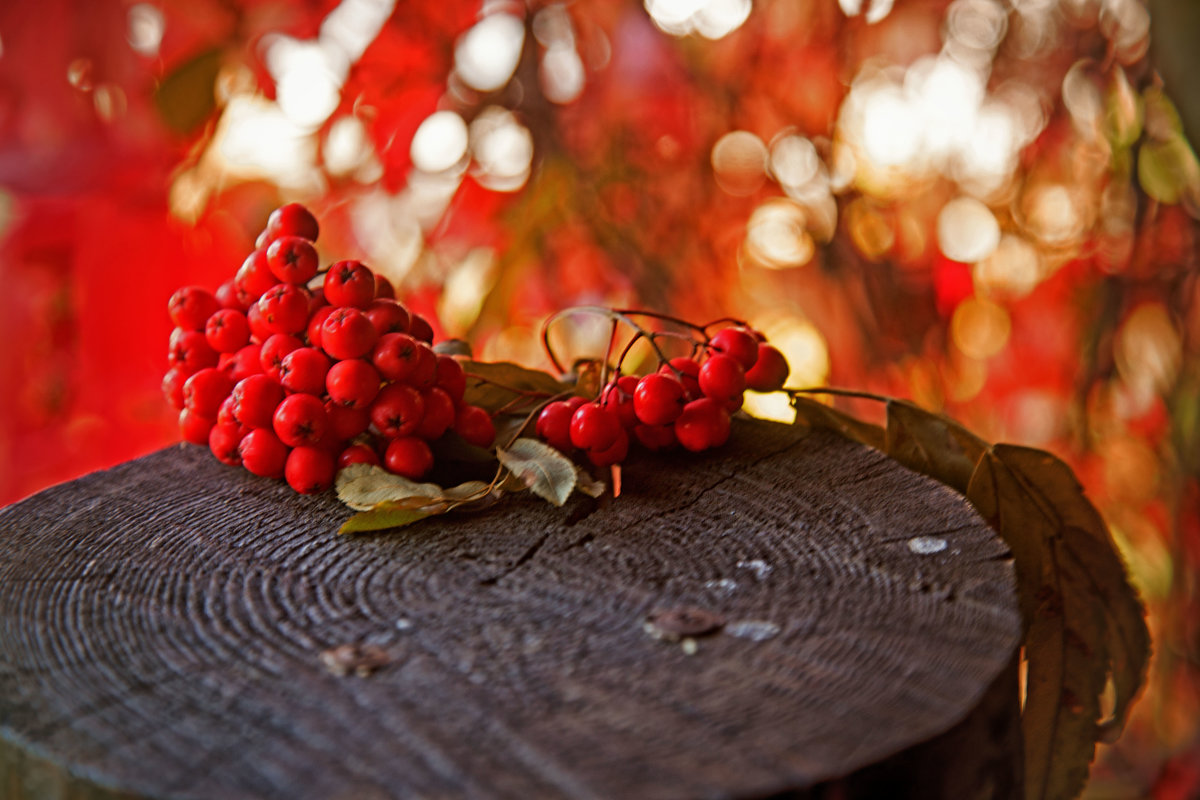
pixel 499 385
pixel 545 471
pixel 932 444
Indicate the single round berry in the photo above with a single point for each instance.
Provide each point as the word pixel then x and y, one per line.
pixel 420 328
pixel 263 453
pixel 172 386
pixel 190 351
pixel 245 362
pixel 387 316
pixel 349 283
pixel 253 278
pixel 395 356
pixel 397 410
pixel 346 333
pixel 736 342
pixel 614 454
pixel 723 379
pixel 439 413
pixel 618 396
pixel 204 391
pixel 304 370
pixel 345 423
pixel 352 383
pixel 770 372
pixel 594 427
pixel 309 470
pixel 227 296
pixel 686 371
pixel 255 399
pixel 195 428
pixel 300 420
pixel 475 426
pixel 554 424
pixel 284 308
pixel 704 423
pixel 450 376
pixel 191 306
pixel 292 259
pixel 409 457
pixel 227 330
pixel 424 374
pixel 274 349
pixel 292 219
pixel 357 454
pixel 658 399
pixel 223 441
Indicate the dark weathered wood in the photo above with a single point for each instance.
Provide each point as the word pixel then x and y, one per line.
pixel 162 625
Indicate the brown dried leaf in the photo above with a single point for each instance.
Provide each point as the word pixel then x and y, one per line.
pixel 818 415
pixel 495 385
pixel 932 444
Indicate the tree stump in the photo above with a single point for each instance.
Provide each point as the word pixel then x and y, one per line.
pixel 790 615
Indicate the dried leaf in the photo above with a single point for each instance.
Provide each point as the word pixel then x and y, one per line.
pixel 932 444
pixel 545 471
pixel 389 514
pixel 585 483
pixel 494 386
pixel 818 415
pixel 364 486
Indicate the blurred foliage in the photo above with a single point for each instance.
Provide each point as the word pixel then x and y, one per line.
pixel 988 207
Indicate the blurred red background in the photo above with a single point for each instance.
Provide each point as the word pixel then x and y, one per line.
pixel 987 207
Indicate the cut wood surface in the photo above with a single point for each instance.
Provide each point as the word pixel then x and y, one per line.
pixel 778 612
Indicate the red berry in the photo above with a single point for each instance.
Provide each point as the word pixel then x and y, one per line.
pixel 658 399
pixel 352 383
pixel 304 370
pixel 554 424
pixel 723 379
pixel 594 427
pixel 292 259
pixel 450 376
pixel 274 350
pixel 384 288
pixel 245 362
pixel 736 342
pixel 300 420
pixel 687 372
pixel 292 219
pixel 408 456
pixel 656 437
pixel 309 470
pixel 614 454
pixel 346 333
pixel 704 423
pixel 284 308
pixel 253 278
pixel 172 386
pixel 424 374
pixel 191 306
pixel 345 423
pixel 395 356
pixel 770 371
pixel 195 428
pixel 263 453
pixel 618 396
pixel 357 454
pixel 227 330
pixel 204 392
pixel 223 440
pixel 397 410
pixel 315 321
pixel 420 328
pixel 439 414
pixel 255 399
pixel 227 296
pixel 387 316
pixel 190 351
pixel 349 283
pixel 475 426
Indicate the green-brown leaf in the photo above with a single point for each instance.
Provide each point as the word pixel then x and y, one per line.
pixel 542 469
pixel 387 515
pixel 494 386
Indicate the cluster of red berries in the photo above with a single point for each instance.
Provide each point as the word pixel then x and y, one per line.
pixel 687 401
pixel 293 373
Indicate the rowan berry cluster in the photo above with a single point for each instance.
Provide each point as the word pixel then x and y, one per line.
pixel 686 402
pixel 294 371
